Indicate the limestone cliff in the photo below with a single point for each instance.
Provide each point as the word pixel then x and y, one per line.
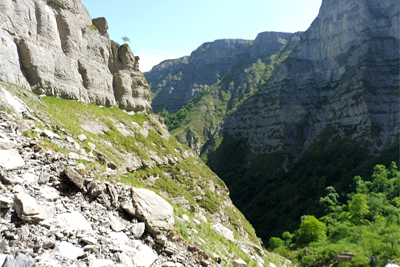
pixel 55 48
pixel 175 82
pixel 327 111
pixel 344 74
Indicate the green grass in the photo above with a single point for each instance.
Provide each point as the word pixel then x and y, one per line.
pixel 190 178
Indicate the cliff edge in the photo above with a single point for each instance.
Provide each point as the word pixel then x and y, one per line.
pixel 55 48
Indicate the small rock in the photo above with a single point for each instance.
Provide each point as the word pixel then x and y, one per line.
pixel 73 155
pixel 49 193
pixel 221 230
pixel 155 211
pixel 69 251
pixel 29 178
pixel 80 166
pixel 95 188
pixel 19 260
pixel 142 255
pixel 82 137
pixel 125 260
pixel 161 240
pixel 44 178
pixel 75 177
pixel 70 139
pixel 74 221
pixel 27 209
pixel 6 202
pixel 90 240
pixel 128 207
pixel 11 159
pixel 50 134
pixel 6 144
pixel 239 263
pixel 116 225
pixel 138 230
pixel 92 146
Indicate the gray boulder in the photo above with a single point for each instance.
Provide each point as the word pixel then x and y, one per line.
pixel 221 230
pixel 156 212
pixel 75 177
pixel 27 209
pixel 11 159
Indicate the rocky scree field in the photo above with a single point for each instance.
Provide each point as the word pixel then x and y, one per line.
pixel 85 185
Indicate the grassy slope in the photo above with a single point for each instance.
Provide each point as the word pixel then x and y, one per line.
pixel 189 178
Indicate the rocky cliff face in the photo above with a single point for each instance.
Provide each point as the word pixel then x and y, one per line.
pixel 175 82
pixel 326 111
pixel 55 48
pixel 344 74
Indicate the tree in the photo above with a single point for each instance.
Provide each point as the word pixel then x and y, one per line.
pixel 275 242
pixel 358 208
pixel 311 230
pixel 331 199
pixel 165 113
pixel 126 39
pixel 287 237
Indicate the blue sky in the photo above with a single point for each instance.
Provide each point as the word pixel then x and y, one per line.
pixel 164 29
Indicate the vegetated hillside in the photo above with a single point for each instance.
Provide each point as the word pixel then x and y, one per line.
pixel 330 111
pixel 104 152
pixel 229 71
pixel 327 112
pixel 362 230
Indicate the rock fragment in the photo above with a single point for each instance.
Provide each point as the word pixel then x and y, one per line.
pixel 155 211
pixel 239 263
pixel 75 177
pixel 27 209
pixel 11 159
pixel 221 230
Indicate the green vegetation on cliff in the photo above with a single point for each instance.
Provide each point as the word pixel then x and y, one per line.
pixel 196 122
pixel 279 198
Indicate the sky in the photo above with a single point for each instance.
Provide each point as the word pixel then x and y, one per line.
pixel 167 29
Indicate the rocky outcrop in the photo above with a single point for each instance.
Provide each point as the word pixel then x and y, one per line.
pixel 344 74
pixel 55 48
pixel 175 82
pixel 71 208
pixel 325 113
pixel 157 213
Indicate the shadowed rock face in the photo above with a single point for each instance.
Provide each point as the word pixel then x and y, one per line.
pixel 344 74
pixel 55 48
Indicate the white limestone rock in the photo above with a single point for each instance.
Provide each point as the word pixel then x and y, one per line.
pixel 27 209
pixel 69 251
pixel 155 211
pixel 11 159
pixel 221 230
pixel 74 221
pixel 239 263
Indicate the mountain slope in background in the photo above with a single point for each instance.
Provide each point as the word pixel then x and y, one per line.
pixel 327 112
pixel 216 79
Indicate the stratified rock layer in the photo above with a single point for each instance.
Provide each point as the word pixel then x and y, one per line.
pixel 343 74
pixel 177 81
pixel 55 48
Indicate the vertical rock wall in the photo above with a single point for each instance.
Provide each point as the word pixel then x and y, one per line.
pixel 55 48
